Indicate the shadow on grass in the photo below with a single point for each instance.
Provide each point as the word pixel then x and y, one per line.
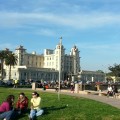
pixel 17 116
pixel 52 108
pixel 46 111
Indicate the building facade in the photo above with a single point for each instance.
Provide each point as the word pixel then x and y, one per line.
pixel 46 66
pixel 92 76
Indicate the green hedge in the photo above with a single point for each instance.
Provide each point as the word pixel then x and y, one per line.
pixel 24 86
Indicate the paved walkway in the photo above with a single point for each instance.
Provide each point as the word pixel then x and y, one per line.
pixel 115 102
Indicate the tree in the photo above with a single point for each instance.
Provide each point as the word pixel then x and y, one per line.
pixel 10 60
pixel 115 70
pixel 3 54
pixel 100 71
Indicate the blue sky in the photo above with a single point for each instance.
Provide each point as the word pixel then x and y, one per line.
pixel 92 25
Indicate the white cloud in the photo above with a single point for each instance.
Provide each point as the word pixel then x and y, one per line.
pixel 79 21
pixel 46 32
pixel 39 31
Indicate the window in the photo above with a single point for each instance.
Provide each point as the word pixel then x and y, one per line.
pixel 24 74
pixel 56 52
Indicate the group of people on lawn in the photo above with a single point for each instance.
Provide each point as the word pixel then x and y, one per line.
pixel 9 112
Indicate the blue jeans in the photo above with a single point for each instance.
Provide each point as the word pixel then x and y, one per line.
pixel 7 114
pixel 35 112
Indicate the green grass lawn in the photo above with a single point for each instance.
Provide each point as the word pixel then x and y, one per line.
pixel 68 108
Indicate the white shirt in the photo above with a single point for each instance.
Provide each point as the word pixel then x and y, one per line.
pixel 110 88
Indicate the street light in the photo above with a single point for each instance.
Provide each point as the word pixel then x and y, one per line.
pixel 59 67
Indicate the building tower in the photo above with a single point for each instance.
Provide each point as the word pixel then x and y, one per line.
pixel 76 59
pixel 20 52
pixel 59 54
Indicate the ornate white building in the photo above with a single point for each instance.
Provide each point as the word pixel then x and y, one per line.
pixel 32 66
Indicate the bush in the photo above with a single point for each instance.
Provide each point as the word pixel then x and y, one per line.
pixel 24 86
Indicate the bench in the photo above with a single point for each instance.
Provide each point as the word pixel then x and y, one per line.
pixel 100 93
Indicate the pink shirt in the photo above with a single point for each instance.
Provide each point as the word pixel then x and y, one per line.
pixel 4 107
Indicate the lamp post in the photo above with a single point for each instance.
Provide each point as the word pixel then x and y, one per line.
pixel 59 67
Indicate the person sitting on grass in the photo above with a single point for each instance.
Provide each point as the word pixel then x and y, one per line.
pixel 22 103
pixel 6 108
pixel 35 106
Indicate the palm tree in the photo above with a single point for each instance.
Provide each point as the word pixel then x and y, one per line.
pixel 10 60
pixel 3 54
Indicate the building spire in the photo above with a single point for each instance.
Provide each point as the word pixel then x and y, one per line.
pixel 60 40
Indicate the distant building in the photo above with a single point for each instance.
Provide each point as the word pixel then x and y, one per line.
pixel 36 67
pixel 92 76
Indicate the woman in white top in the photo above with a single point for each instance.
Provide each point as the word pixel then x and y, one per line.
pixel 110 91
pixel 35 106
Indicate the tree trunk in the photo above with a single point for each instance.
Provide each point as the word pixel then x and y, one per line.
pixel 10 73
pixel 2 69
